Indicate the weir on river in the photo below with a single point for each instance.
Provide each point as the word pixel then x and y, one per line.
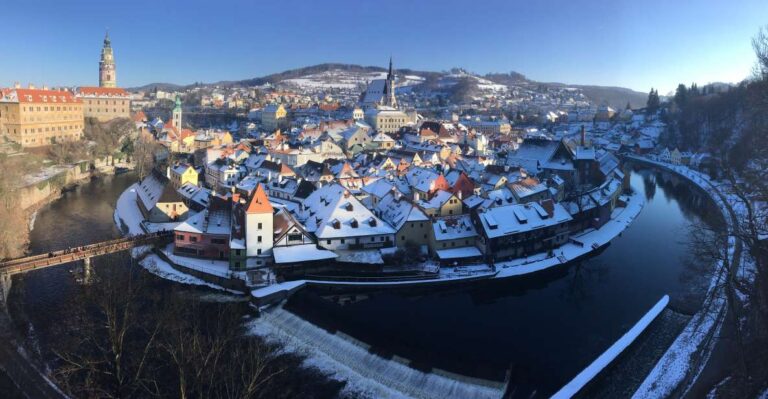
pixel 518 323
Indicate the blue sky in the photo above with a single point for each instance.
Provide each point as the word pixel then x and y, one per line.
pixel 636 44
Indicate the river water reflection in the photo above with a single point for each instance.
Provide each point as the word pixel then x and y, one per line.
pixel 544 328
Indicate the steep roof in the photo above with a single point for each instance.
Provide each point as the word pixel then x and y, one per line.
pixel 40 96
pixel 259 202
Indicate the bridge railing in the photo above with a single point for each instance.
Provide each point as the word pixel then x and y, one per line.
pixel 87 249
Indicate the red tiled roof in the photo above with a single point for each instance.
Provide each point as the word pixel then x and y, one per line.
pixel 259 202
pixel 45 96
pixel 139 116
pixel 103 91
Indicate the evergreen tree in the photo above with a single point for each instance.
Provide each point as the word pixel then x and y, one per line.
pixel 681 95
pixel 652 105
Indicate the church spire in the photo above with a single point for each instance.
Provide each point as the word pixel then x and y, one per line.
pixel 390 86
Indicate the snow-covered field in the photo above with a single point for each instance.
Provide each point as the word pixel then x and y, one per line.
pixel 338 79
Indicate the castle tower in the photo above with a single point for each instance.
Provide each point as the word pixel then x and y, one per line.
pixel 176 121
pixel 259 232
pixel 107 73
pixel 389 89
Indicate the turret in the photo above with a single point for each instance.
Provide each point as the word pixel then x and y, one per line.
pixel 107 70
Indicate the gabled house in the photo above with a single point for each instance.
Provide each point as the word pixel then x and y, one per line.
pixel 158 201
pixel 339 221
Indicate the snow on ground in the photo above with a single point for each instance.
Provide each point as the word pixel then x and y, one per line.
pixel 32 221
pixel 335 79
pixel 367 374
pixel 127 211
pixel 127 214
pixel 155 265
pixel 577 383
pixel 700 334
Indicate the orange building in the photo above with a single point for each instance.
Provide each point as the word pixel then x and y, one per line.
pixel 34 117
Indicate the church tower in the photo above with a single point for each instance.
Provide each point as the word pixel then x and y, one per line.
pixel 176 121
pixel 389 88
pixel 107 76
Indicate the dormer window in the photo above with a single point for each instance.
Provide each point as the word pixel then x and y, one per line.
pixel 354 223
pixel 372 222
pixel 336 224
pixel 348 206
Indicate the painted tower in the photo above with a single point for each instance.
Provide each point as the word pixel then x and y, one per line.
pixel 176 121
pixel 107 73
pixel 389 88
pixel 259 232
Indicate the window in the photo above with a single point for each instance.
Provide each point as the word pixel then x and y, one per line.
pixel 329 242
pixel 219 241
pixel 192 239
pixel 258 239
pixel 180 237
pixel 258 251
pixel 294 237
pixel 259 227
pixel 342 241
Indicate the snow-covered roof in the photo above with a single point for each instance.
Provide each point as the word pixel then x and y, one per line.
pixel 301 253
pixel 396 210
pixel 458 253
pixel 332 212
pixel 196 194
pixel 207 222
pixel 519 218
pixel 453 227
pixel 440 198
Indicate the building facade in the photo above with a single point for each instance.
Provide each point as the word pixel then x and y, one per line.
pixel 33 117
pixel 105 103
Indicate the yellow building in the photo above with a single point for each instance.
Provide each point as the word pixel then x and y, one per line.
pixel 386 119
pixel 183 174
pixel 105 103
pixel 34 118
pixel 443 203
pixel 273 117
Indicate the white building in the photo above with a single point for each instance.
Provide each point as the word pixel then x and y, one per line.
pixel 259 231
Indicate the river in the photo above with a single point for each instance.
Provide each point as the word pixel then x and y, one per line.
pixel 542 329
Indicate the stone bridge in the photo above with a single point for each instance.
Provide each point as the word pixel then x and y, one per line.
pixel 13 361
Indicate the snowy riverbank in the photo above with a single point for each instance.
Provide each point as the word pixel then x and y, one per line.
pixel 128 219
pixel 591 241
pixel 689 353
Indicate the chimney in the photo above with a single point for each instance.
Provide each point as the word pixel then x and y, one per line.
pixel 17 85
pixel 583 136
pixel 31 86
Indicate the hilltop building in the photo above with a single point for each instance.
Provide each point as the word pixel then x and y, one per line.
pixel 105 103
pixel 34 117
pixel 107 72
